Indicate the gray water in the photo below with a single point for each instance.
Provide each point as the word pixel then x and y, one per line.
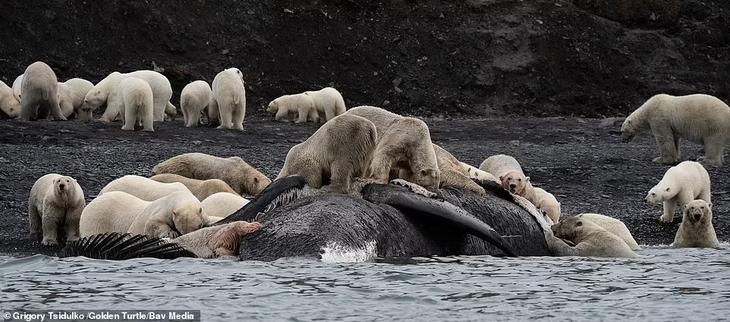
pixel 662 285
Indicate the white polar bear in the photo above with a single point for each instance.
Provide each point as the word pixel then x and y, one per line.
pixel 588 238
pixel 137 104
pixel 509 172
pixel 77 90
pixel 681 184
pixel 107 91
pixel 143 188
pixel 194 98
pixel 474 173
pixel 65 100
pixel 55 201
pixel 544 201
pixel 168 217
pixel 698 118
pixel 328 101
pixel 200 188
pixel 301 105
pixel 614 226
pixel 9 105
pixel 17 87
pixel 228 106
pixel 40 93
pixel 223 204
pixel 696 229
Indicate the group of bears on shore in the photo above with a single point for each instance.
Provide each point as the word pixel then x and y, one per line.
pixel 362 143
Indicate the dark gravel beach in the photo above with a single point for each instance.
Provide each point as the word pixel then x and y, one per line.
pixel 582 161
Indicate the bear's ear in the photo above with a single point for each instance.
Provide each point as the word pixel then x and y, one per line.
pixel 527 179
pixel 709 205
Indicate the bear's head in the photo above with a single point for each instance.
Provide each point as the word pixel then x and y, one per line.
pixel 225 241
pixel 11 107
pixel 697 211
pixel 572 228
pixel 64 185
pixel 187 216
pixel 428 178
pixel 93 99
pixel 514 181
pixel 273 106
pixel 661 192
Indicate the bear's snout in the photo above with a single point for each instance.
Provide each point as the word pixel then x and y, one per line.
pixel 61 186
pixel 697 217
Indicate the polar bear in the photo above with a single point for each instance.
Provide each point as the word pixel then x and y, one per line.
pixel 698 118
pixel 143 188
pixel 338 151
pixel 614 226
pixel 170 112
pixel 696 229
pixel 137 104
pixel 222 204
pixel 108 91
pixel 451 173
pixel 228 106
pixel 55 202
pixel 201 189
pixel 194 98
pixel 71 97
pixel 327 101
pixel 301 105
pixel 475 174
pixel 681 184
pixel 587 239
pixel 168 217
pixel 40 93
pixel 509 172
pixel 405 148
pixel 238 174
pixel 544 201
pixel 17 87
pixel 9 105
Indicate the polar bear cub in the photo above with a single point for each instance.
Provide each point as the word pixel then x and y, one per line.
pixel 137 104
pixel 328 101
pixel 168 217
pixel 614 226
pixel 681 184
pixel 194 98
pixel 698 118
pixel 40 93
pixel 509 172
pixel 228 106
pixel 9 105
pixel 301 105
pixel 696 229
pixel 222 204
pixel 55 202
pixel 143 188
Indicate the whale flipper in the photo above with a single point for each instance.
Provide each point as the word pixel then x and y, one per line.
pixel 405 200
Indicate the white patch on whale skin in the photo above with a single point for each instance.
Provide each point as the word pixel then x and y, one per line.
pixel 336 253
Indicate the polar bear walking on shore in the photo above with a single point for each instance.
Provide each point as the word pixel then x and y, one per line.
pixel 228 106
pixel 40 93
pixel 137 104
pixel 328 101
pixel 697 118
pixel 108 91
pixel 55 201
pixel 681 184
pixel 194 98
pixel 286 106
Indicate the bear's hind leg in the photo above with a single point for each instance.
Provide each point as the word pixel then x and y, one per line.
pixel 714 150
pixel 35 223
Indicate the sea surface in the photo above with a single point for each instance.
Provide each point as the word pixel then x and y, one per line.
pixel 663 284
